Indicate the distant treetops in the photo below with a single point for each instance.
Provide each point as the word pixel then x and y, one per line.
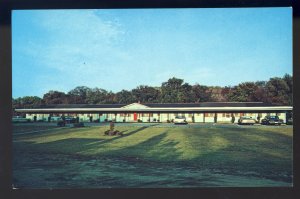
pixel 277 91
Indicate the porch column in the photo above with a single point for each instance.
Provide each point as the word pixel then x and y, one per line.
pixel 216 118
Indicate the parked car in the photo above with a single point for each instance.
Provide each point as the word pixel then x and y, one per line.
pixel 70 120
pixel 269 120
pixel 246 120
pixel 180 120
pixel 55 119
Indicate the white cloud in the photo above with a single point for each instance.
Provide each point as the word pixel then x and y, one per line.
pixel 79 46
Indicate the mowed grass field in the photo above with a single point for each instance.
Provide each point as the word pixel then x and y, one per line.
pixel 153 156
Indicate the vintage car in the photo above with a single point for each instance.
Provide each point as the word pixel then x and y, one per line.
pixel 180 120
pixel 271 120
pixel 70 120
pixel 246 120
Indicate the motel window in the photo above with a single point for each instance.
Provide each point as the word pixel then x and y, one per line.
pixel 158 114
pixel 236 114
pixel 150 114
pixel 175 114
pixel 278 114
pixel 209 114
pixel 190 114
pixel 100 114
pixel 198 114
pixel 122 114
pixel 228 115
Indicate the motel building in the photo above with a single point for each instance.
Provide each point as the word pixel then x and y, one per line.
pixel 206 112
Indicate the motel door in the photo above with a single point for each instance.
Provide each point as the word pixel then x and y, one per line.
pixel 134 116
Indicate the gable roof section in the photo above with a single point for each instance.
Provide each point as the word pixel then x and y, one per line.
pixel 135 106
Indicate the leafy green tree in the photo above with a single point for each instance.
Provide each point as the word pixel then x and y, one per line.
pixel 278 91
pixel 55 97
pixel 170 90
pixel 96 96
pixel 78 95
pixel 289 81
pixel 145 94
pixel 110 98
pixel 225 92
pixel 201 93
pixel 124 97
pixel 216 94
pixel 27 102
pixel 244 92
pixel 185 94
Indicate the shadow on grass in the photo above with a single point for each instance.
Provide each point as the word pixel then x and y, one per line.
pixel 71 145
pixel 255 152
pixel 154 148
pixel 64 146
pixel 126 134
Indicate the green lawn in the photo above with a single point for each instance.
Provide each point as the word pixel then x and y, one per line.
pixel 154 157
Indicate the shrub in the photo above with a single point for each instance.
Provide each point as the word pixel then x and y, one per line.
pixel 112 133
pixel 139 120
pixel 154 120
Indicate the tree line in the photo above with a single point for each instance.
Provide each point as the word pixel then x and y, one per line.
pixel 278 91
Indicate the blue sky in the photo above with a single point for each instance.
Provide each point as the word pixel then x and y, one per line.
pixel 124 48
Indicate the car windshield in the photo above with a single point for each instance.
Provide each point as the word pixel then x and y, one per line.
pixel 274 117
